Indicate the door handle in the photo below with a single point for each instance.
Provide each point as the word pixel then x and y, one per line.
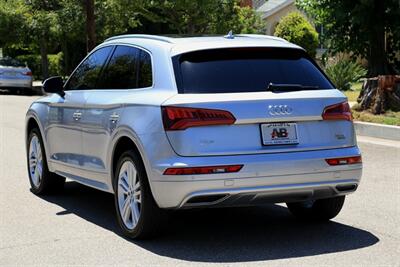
pixel 77 115
pixel 114 117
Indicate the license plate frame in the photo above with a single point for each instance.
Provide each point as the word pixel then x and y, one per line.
pixel 267 130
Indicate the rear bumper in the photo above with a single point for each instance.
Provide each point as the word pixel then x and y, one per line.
pixel 16 83
pixel 281 177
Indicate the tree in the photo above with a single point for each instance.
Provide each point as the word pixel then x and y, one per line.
pixel 72 33
pixel 90 25
pixel 35 24
pixel 77 26
pixel 295 28
pixel 10 18
pixel 366 28
pixel 190 17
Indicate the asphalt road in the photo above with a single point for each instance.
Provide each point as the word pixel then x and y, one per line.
pixel 78 226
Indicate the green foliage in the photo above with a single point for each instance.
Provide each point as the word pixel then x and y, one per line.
pixel 49 26
pixel 56 64
pixel 343 72
pixel 244 20
pixel 11 18
pixel 367 28
pixel 186 16
pixel 34 63
pixel 296 29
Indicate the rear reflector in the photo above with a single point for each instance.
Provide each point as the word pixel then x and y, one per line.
pixel 344 161
pixel 339 111
pixel 181 118
pixel 203 170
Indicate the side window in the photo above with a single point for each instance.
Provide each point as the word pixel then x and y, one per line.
pixel 85 76
pixel 145 71
pixel 121 71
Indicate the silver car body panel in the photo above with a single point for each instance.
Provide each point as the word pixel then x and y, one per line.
pixel 83 149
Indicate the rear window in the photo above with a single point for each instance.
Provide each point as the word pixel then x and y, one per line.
pixel 10 62
pixel 245 70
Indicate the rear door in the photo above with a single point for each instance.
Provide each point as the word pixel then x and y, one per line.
pixel 64 131
pixel 286 119
pixel 127 74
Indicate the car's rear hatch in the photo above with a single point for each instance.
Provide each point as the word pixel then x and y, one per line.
pixel 13 69
pixel 285 120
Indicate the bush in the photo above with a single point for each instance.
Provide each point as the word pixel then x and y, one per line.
pixel 35 64
pixel 295 28
pixel 343 72
pixel 56 64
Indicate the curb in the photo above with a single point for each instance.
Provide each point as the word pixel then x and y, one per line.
pixel 377 130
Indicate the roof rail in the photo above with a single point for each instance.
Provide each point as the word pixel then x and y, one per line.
pixel 141 36
pixel 262 36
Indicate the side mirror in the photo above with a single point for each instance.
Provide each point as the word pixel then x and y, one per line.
pixel 54 85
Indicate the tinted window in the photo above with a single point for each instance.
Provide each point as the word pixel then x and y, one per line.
pixel 121 71
pixel 145 70
pixel 245 70
pixel 86 75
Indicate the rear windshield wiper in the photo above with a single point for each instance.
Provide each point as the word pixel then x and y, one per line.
pixel 280 87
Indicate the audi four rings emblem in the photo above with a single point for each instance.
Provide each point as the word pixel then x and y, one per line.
pixel 279 109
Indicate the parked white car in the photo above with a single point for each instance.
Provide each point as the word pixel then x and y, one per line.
pixel 15 75
pixel 173 123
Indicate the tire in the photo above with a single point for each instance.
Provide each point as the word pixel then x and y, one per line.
pixel 42 181
pixel 138 215
pixel 28 91
pixel 317 210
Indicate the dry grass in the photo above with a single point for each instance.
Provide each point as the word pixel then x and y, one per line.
pixel 388 118
pixel 352 95
pixel 354 92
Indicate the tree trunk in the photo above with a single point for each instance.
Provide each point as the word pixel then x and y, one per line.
pixel 380 94
pixel 90 25
pixel 378 63
pixel 44 59
pixel 65 51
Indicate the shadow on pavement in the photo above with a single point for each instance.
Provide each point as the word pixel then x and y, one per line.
pixel 33 92
pixel 223 235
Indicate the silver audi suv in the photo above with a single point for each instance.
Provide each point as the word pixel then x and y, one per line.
pixel 172 123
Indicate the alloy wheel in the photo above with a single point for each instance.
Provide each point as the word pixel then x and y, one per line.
pixel 129 194
pixel 35 161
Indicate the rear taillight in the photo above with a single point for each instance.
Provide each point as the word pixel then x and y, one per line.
pixel 28 73
pixel 181 118
pixel 344 161
pixel 339 111
pixel 202 170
